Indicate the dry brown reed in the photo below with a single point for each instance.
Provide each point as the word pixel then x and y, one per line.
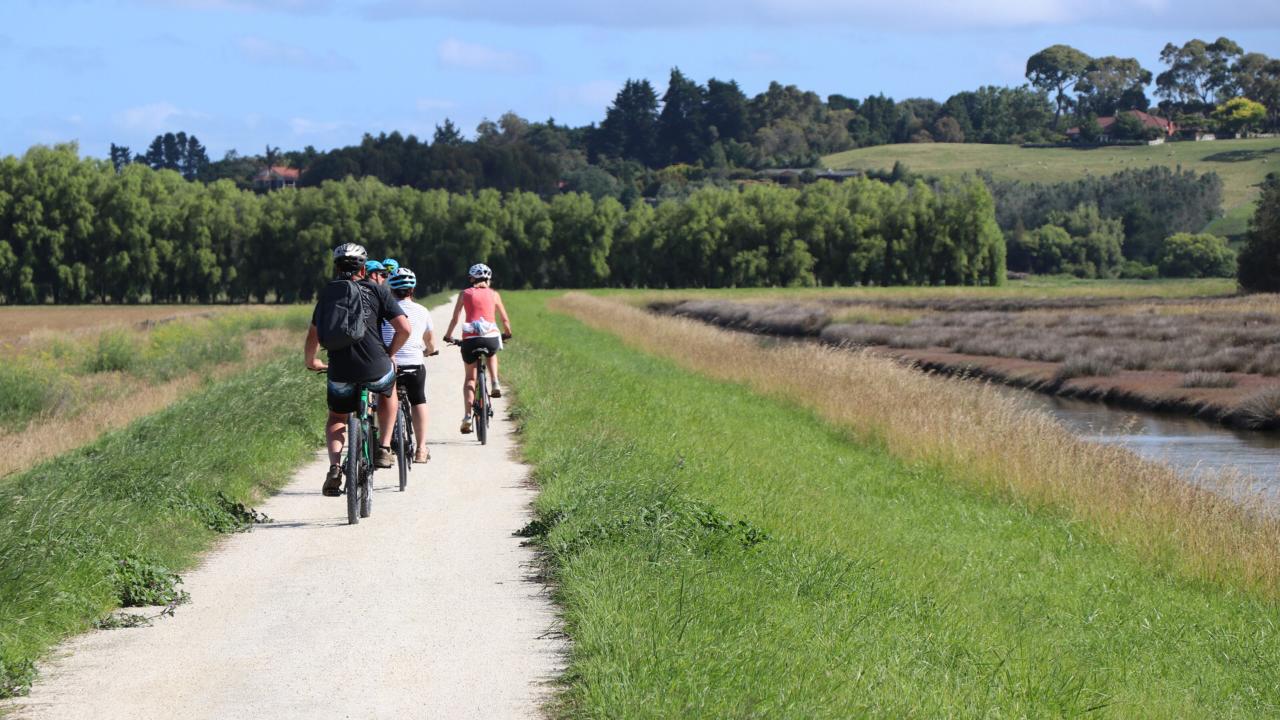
pixel 982 437
pixel 121 400
pixel 21 320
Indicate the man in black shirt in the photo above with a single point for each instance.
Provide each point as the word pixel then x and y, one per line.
pixel 366 362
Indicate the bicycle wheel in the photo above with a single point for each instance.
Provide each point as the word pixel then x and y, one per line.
pixel 366 481
pixel 352 469
pixel 479 411
pixel 402 453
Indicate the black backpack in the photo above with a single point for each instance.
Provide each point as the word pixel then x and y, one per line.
pixel 340 317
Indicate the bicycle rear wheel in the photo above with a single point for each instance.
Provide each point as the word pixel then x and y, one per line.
pixel 366 473
pixel 479 408
pixel 352 469
pixel 402 452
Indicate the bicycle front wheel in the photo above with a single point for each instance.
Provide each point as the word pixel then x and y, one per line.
pixel 352 469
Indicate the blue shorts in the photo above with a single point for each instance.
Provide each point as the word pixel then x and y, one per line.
pixel 342 396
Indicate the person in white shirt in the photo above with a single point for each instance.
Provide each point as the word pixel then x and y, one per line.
pixel 409 360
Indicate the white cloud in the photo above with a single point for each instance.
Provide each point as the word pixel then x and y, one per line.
pixel 852 14
pixel 454 53
pixel 155 117
pixel 270 52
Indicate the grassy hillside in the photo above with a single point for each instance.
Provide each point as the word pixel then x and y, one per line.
pixel 1241 164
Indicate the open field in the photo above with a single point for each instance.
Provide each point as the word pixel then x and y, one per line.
pixel 1241 164
pixel 61 389
pixel 1215 357
pixel 45 321
pixel 804 532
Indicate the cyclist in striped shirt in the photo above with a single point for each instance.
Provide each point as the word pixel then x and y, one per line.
pixel 409 360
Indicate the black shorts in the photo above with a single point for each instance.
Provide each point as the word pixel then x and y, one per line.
pixel 470 345
pixel 414 381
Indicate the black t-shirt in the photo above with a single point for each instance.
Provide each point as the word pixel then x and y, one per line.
pixel 366 360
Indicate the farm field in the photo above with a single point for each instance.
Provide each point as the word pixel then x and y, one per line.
pixel 1241 164
pixel 805 532
pixel 79 371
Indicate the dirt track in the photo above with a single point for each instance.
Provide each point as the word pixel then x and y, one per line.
pixel 425 610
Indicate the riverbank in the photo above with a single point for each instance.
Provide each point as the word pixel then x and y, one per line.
pixel 1216 359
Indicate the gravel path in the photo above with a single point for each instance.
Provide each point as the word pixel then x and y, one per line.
pixel 424 610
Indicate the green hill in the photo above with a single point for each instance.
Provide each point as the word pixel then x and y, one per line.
pixel 1241 164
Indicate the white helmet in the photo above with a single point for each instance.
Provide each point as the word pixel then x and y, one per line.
pixel 480 271
pixel 351 252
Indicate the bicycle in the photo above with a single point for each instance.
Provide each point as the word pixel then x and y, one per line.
pixel 481 407
pixel 358 465
pixel 402 435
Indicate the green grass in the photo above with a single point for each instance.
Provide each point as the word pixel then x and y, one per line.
pixel 720 554
pixel 1241 164
pixel 92 529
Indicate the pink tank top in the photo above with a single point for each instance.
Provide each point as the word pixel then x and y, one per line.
pixel 479 306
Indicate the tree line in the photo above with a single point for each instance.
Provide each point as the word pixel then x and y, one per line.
pixel 76 230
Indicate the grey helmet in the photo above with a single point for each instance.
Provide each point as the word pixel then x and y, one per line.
pixel 480 271
pixel 350 252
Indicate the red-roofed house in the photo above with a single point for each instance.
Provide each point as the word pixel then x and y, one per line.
pixel 1166 128
pixel 276 177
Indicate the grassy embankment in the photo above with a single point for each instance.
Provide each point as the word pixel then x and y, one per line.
pixel 878 543
pixel 80 371
pixel 1241 164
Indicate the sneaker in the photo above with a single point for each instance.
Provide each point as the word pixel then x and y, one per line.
pixel 383 457
pixel 495 391
pixel 466 425
pixel 332 482
pixel 423 455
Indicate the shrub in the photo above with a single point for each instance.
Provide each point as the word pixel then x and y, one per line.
pixel 1195 256
pixel 116 352
pixel 1207 380
pixel 1086 366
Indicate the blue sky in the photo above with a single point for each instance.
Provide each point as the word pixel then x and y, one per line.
pixel 244 73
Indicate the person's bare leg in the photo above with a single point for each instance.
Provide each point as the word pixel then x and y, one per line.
pixel 420 419
pixel 469 390
pixel 335 435
pixel 387 417
pixel 493 370
pixel 420 428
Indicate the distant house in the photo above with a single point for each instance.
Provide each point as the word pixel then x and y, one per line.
pixel 1166 128
pixel 276 177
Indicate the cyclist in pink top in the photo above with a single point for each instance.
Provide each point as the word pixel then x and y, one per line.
pixel 483 307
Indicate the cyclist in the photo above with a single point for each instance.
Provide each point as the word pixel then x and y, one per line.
pixel 410 372
pixel 392 266
pixel 483 307
pixel 365 362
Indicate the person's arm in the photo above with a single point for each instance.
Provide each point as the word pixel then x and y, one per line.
pixel 309 349
pixel 400 324
pixel 453 322
pixel 502 313
pixel 429 340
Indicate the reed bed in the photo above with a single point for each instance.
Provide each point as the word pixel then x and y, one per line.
pixel 983 438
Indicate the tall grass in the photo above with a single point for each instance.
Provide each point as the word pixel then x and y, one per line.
pixel 720 553
pixel 984 438
pixel 147 497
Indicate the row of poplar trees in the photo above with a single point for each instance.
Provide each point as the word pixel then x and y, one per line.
pixel 76 230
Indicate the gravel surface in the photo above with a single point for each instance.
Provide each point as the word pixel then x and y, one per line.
pixel 427 609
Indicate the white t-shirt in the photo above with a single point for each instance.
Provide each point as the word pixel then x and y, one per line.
pixel 420 324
